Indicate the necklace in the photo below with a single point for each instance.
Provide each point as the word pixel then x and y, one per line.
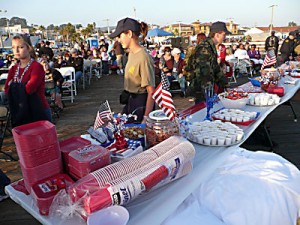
pixel 16 77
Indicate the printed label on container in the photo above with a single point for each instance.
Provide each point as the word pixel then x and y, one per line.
pixel 122 193
pixel 45 188
pixel 86 150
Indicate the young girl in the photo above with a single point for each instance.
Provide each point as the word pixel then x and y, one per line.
pixel 54 81
pixel 104 58
pixel 139 79
pixel 25 85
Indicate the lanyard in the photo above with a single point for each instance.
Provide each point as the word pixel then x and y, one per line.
pixel 16 77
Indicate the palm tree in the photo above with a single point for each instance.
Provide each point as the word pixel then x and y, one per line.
pixel 67 31
pixel 42 29
pixel 90 28
pixel 292 24
pixel 33 30
pixel 85 33
pixel 56 31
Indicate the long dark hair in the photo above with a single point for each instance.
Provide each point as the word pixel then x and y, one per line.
pixel 143 30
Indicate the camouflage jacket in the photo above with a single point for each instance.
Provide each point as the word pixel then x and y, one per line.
pixel 202 68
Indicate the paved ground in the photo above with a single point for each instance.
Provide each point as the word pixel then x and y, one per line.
pixel 77 117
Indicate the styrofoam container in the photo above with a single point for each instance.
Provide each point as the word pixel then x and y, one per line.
pixel 44 191
pixel 35 174
pixel 39 156
pixel 35 135
pixel 69 145
pixel 88 159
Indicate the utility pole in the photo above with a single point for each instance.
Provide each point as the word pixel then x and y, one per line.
pixel 134 12
pixel 271 25
pixel 230 24
pixel 179 27
pixel 4 11
pixel 107 22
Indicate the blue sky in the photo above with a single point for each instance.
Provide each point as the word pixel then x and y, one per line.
pixel 162 12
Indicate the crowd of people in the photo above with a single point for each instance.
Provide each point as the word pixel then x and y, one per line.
pixel 33 70
pixel 187 69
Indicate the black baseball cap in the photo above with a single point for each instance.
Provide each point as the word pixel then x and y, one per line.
pixel 125 25
pixel 219 26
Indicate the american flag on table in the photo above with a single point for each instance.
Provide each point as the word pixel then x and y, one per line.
pixel 270 59
pixel 104 113
pixel 163 98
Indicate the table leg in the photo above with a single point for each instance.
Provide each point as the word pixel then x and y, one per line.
pixel 289 103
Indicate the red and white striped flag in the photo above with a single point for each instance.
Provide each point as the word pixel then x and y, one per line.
pixel 163 98
pixel 270 59
pixel 104 114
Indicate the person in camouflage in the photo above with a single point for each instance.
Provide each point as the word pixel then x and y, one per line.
pixel 202 66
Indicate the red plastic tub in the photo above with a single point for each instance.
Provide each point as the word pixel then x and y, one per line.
pixel 37 157
pixel 88 159
pixel 44 191
pixel 35 135
pixel 35 174
pixel 69 145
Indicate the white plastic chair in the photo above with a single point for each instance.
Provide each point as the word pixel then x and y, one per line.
pixel 96 68
pixel 69 85
pixel 245 66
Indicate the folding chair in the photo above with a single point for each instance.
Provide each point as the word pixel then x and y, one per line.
pixel 96 68
pixel 87 64
pixel 4 125
pixel 245 66
pixel 230 71
pixel 69 85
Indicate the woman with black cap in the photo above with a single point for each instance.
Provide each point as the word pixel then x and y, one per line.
pixel 139 78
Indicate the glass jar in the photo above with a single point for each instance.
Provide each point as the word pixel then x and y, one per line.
pixel 159 128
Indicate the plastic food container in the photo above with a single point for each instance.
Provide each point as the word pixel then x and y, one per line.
pixel 159 128
pixel 35 174
pixel 35 135
pixel 88 159
pixel 69 145
pixel 37 157
pixel 44 191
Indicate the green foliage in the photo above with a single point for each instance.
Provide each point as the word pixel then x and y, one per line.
pixel 292 24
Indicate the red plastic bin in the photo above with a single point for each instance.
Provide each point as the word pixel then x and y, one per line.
pixel 35 135
pixel 35 174
pixel 69 145
pixel 43 192
pixel 39 156
pixel 88 159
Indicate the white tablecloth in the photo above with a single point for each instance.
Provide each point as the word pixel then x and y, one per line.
pixel 154 207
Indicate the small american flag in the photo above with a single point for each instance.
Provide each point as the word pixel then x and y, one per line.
pixel 163 98
pixel 270 59
pixel 104 113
